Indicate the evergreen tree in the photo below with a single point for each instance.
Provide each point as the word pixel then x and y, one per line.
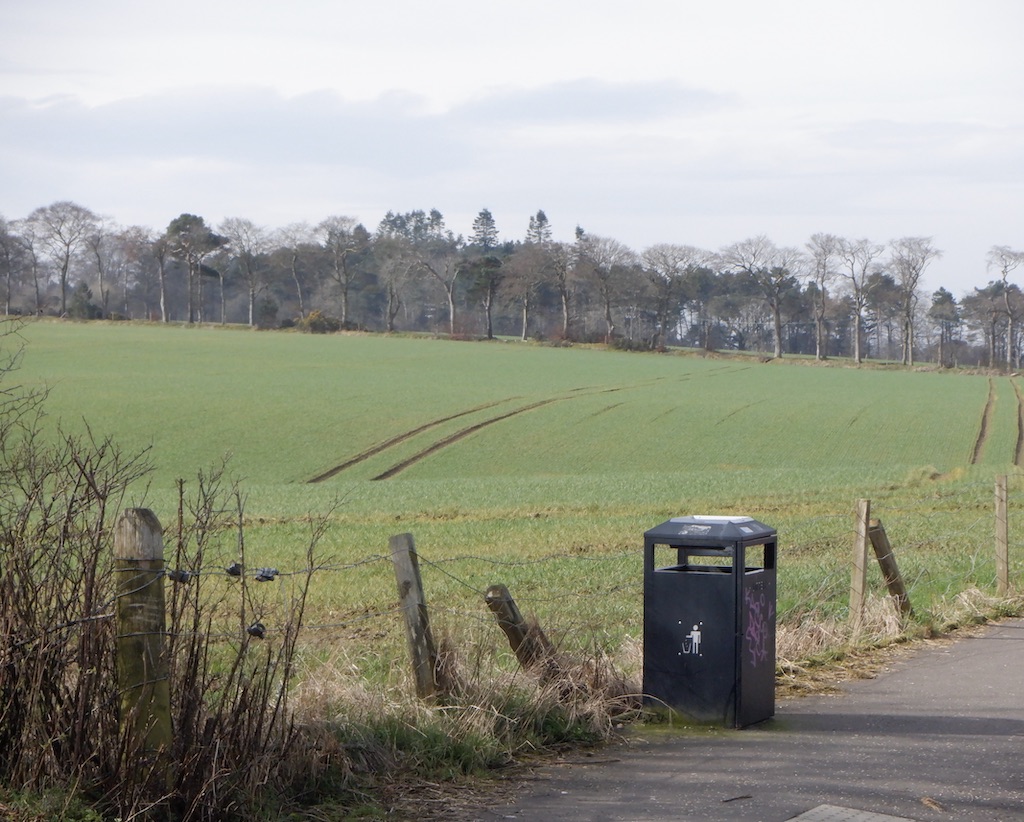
pixel 190 240
pixel 485 231
pixel 539 231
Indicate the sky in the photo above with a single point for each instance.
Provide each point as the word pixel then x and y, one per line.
pixel 649 121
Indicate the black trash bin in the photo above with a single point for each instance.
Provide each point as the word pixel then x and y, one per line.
pixel 709 618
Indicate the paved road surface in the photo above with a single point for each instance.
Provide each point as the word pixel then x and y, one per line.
pixel 938 736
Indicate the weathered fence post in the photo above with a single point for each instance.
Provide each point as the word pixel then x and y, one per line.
pixel 529 643
pixel 859 574
pixel 890 570
pixel 417 621
pixel 1002 539
pixel 142 676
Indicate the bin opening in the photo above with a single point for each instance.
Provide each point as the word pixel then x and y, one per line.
pixel 671 558
pixel 759 557
pixel 681 558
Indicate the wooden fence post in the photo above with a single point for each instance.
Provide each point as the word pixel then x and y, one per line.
pixel 142 671
pixel 529 643
pixel 417 621
pixel 1002 540
pixel 890 570
pixel 859 574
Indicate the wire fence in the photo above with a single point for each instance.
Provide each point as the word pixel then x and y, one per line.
pixel 943 550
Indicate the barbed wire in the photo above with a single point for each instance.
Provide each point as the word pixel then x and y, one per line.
pixel 603 557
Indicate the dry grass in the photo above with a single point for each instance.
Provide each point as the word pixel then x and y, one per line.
pixel 594 696
pixel 441 759
pixel 816 655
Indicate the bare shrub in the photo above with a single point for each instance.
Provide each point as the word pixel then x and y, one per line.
pixel 58 709
pixel 237 751
pixel 236 746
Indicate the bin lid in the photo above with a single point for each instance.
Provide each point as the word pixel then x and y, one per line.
pixel 710 528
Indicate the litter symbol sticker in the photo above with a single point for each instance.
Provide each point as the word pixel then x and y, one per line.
pixel 692 641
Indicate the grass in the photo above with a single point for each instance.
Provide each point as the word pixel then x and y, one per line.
pixel 538 468
pixel 290 407
pixel 523 450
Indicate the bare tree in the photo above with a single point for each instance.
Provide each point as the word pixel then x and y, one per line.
pixel 823 251
pixel 161 250
pixel 396 264
pixel 118 255
pixel 134 256
pixel 525 270
pixel 339 237
pixel 665 267
pixel 562 259
pixel 437 251
pixel 104 249
pixel 62 229
pixel 443 263
pixel 859 260
pixel 1005 260
pixel 11 254
pixel 606 263
pixel 557 261
pixel 248 243
pixel 772 269
pixel 908 258
pixel 296 239
pixel 27 233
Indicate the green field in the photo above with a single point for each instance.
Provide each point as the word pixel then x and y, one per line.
pixel 540 467
pixel 292 407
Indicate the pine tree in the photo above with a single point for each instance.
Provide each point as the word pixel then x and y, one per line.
pixel 539 231
pixel 485 231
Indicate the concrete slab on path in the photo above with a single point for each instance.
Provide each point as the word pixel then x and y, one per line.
pixel 830 813
pixel 937 736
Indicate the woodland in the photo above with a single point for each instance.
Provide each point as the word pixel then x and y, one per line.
pixel 833 297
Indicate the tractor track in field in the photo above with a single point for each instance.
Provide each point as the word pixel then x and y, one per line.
pixel 458 435
pixel 986 421
pixel 395 440
pixel 606 409
pixel 740 410
pixel 472 429
pixel 1018 451
pixel 465 432
pixel 855 417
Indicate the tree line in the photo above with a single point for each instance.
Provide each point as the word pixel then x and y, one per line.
pixel 834 296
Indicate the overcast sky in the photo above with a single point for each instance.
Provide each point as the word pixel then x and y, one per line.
pixel 650 121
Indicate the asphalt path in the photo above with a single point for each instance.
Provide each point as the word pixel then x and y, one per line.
pixel 938 735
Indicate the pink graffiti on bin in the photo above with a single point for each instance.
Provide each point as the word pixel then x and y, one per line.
pixel 759 614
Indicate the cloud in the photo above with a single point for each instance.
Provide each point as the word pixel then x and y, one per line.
pixel 644 162
pixel 393 136
pixel 591 101
pixel 233 125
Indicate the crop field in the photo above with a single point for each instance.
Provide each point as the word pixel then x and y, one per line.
pixel 538 467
